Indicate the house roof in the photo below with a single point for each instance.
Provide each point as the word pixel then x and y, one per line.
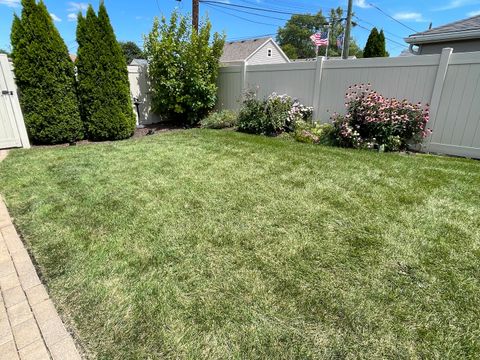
pixel 459 30
pixel 241 50
pixel 139 62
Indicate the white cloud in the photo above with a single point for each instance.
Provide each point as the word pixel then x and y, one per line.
pixel 77 6
pixel 409 16
pixel 473 13
pixel 455 4
pixel 10 3
pixel 72 17
pixel 362 4
pixel 55 17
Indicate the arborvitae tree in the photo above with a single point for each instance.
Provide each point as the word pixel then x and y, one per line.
pixel 103 79
pixel 375 46
pixel 45 77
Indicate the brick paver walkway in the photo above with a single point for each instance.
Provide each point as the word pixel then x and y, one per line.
pixel 30 327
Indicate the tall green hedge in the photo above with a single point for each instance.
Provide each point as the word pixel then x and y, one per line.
pixel 103 86
pixel 45 77
pixel 375 46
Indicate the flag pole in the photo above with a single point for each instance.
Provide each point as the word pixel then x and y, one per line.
pixel 328 41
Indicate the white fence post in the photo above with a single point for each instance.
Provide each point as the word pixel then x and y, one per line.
pixel 243 79
pixel 438 88
pixel 317 87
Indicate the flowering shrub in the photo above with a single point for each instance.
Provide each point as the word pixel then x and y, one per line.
pixel 374 121
pixel 315 133
pixel 271 116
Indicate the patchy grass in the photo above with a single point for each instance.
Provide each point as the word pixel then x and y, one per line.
pixel 214 244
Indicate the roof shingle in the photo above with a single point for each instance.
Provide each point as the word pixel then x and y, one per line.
pixel 241 50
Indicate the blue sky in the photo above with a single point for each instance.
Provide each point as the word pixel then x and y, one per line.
pixel 132 19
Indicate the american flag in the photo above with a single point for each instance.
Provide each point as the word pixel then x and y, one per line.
pixel 340 41
pixel 320 39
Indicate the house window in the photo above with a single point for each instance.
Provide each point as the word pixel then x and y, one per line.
pixel 269 52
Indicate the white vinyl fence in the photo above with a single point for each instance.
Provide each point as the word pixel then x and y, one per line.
pixel 12 127
pixel 449 82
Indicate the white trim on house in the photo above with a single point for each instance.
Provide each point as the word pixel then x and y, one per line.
pixel 441 37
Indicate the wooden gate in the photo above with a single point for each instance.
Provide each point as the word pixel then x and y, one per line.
pixel 12 127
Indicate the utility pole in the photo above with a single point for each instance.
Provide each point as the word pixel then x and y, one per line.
pixel 346 39
pixel 195 14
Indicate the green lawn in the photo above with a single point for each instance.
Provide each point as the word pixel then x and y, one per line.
pixel 215 244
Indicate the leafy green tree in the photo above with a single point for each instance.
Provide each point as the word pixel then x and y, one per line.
pixel 131 51
pixel 294 37
pixel 45 77
pixel 2 51
pixel 183 68
pixel 103 79
pixel 375 46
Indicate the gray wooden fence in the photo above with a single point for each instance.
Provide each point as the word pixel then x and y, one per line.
pixel 449 82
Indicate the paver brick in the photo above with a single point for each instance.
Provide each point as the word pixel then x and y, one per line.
pixel 26 333
pixel 6 268
pixel 19 313
pixel 12 239
pixel 53 331
pixel 65 350
pixel 8 351
pixel 13 296
pixel 36 295
pixel 35 351
pixel 5 330
pixel 29 280
pixel 44 311
pixel 9 281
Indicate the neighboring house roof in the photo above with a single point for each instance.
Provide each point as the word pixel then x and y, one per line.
pixel 139 62
pixel 459 30
pixel 73 57
pixel 236 51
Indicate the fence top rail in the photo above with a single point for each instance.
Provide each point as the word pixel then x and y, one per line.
pixel 465 58
pixel 424 60
pixel 230 69
pixel 307 65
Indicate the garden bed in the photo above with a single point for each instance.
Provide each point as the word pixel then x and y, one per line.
pixel 216 244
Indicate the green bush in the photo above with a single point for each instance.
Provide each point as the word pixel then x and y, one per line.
pixel 103 88
pixel 183 68
pixel 314 133
pixel 220 120
pixel 45 77
pixel 271 116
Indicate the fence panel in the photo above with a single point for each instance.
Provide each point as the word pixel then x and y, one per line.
pixel 456 129
pixel 229 87
pixel 409 78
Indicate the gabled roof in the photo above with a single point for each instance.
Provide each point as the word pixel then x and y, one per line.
pixel 139 62
pixel 459 30
pixel 236 51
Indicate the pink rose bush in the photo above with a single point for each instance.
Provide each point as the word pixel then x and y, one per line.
pixel 374 121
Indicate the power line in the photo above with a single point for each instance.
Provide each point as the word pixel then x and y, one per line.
pixel 369 23
pixel 240 17
pixel 249 12
pixel 158 6
pixel 287 7
pixel 248 7
pixel 391 17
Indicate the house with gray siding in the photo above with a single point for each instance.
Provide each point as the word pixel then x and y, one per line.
pixel 462 36
pixel 253 52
